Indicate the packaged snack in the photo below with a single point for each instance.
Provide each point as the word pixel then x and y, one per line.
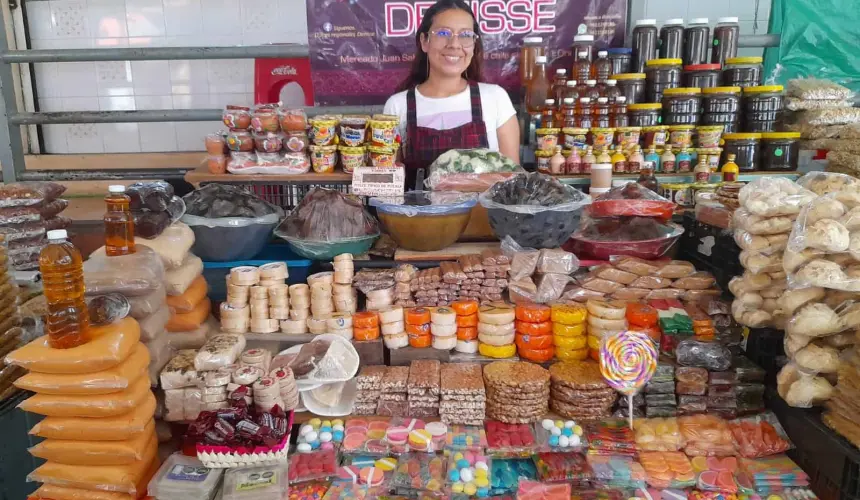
pixel 658 434
pixel 710 355
pixel 617 471
pixel 569 468
pixel 419 472
pixel 509 440
pixel 691 405
pixel 313 466
pixel 611 436
pixel 506 474
pixel 562 436
pixel 269 482
pixel 716 474
pixel 25 194
pixel 466 438
pixel 367 437
pixel 530 490
pixel 469 475
pixel 667 469
pixel 181 476
pixel 706 435
pixel 760 435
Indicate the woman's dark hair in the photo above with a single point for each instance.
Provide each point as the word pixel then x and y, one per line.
pixel 420 70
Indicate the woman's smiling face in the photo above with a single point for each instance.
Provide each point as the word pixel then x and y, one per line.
pixel 444 45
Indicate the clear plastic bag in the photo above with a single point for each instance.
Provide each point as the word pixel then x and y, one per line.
pixel 774 196
pixel 796 104
pixel 151 195
pixel 133 275
pixel 817 89
pixel 712 356
pixel 144 305
pixel 420 203
pixel 706 435
pixel 178 279
pixel 837 116
pixel 327 216
pixel 802 390
pixel 219 351
pixel 25 194
pixel 328 358
pixel 632 199
pixel 767 244
pixel 469 170
pixel 759 436
pixel 90 406
pixel 530 490
pixel 819 227
pixel 117 428
pixel 557 261
pixel 658 434
pixel 95 452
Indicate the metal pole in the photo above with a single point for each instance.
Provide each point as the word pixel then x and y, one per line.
pixel 153 53
pixel 159 115
pixel 758 41
pixel 11 146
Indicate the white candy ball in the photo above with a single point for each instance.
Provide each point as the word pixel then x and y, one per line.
pixel 337 427
pixel 555 431
pixel 303 448
pixel 482 465
pixel 547 424
pixel 466 475
pixel 569 424
pixel 325 437
pixel 311 436
pixel 305 429
pixel 575 440
pixel 563 441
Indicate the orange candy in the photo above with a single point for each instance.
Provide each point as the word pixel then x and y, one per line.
pixel 544 328
pixel 465 307
pixel 536 355
pixel 533 313
pixel 420 340
pixel 653 332
pixel 417 316
pixel 467 321
pixel 467 333
pixel 594 354
pixel 368 333
pixel 418 329
pixel 639 314
pixel 533 341
pixel 365 319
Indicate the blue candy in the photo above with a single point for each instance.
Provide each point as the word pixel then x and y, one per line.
pixel 567 432
pixel 462 463
pixel 315 444
pixel 553 440
pixel 483 492
pixel 454 475
pixel 325 429
pixel 337 436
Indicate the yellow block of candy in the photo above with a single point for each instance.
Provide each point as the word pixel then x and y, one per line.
pixel 569 342
pixel 562 330
pixel 569 314
pixel 564 354
pixel 498 352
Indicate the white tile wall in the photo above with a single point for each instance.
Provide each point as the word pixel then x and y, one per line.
pixel 139 85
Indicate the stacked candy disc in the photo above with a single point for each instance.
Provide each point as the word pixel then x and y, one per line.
pixel 418 327
pixel 604 318
pixel 568 332
pixel 443 328
pixel 393 327
pixel 628 360
pixel 365 325
pixel 534 332
pixel 467 325
pixel 643 318
pixel 496 331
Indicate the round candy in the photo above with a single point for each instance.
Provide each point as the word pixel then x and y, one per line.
pixel 563 441
pixel 454 475
pixel 466 475
pixel 315 422
pixel 337 427
pixel 628 360
pixel 575 440
pixel 305 429
pixel 482 465
pixel 458 456
pixel 559 424
pixel 325 437
pixel 327 446
pixel 385 464
pixel 569 424
pixel 577 430
pixel 337 436
pixel 315 444
pixel 553 440
pixel 326 423
pixel 547 424
pixel 311 436
pixel 463 463
pixel 457 487
pixel 567 432
pixel 481 482
pixel 483 492
pixel 556 431
pixel 470 489
pixel 371 476
pixel 481 474
pixel 325 428
pixel 303 447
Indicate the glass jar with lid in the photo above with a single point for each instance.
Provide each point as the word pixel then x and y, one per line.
pixel 762 107
pixel 701 75
pixel 644 114
pixel 721 106
pixel 632 86
pixel 644 43
pixel 661 74
pixel 672 39
pixel 532 48
pixel 681 106
pixel 620 58
pixel 742 72
pixel 779 151
pixel 746 147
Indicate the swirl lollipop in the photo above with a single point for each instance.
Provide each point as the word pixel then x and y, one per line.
pixel 628 360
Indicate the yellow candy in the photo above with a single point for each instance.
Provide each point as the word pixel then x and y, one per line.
pixel 498 352
pixel 482 482
pixel 470 489
pixel 569 342
pixel 562 330
pixel 559 424
pixel 594 342
pixel 315 422
pixel 571 354
pixel 458 456
pixel 457 487
pixel 419 439
pixel 337 421
pixel 577 430
pixel 385 464
pixel 566 314
pixel 480 473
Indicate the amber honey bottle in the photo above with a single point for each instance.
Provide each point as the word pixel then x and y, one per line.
pixel 119 223
pixel 67 321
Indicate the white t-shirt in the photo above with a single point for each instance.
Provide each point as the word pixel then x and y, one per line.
pixel 451 112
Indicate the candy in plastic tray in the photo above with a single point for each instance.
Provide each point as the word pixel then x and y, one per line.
pixel 466 438
pixel 530 490
pixel 562 436
pixel 706 435
pixel 667 469
pixel 417 472
pixel 691 405
pixel 611 435
pixel 255 483
pixel 313 466
pixel 759 436
pixel 184 477
pixel 363 436
pixel 716 474
pixel 563 467
pixel 617 470
pixel 510 440
pixel 632 200
pixel 507 473
pixel 658 434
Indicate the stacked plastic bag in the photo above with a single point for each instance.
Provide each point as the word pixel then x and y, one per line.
pixel 762 225
pixel 27 211
pixel 822 260
pixel 98 430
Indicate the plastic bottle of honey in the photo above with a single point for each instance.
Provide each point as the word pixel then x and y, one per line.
pixel 591 90
pixel 582 67
pixel 611 90
pixel 601 113
pixel 588 159
pixel 568 113
pixel 539 86
pixel 558 85
pixel 730 169
pixel 583 113
pixel 67 322
pixel 601 68
pixel 618 113
pixel 548 115
pixel 119 223
pixel 571 90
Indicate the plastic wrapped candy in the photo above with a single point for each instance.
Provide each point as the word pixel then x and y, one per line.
pixel 530 490
pixel 658 434
pixel 617 471
pixel 313 466
pixel 716 474
pixel 25 194
pixel 706 435
pixel 670 469
pixel 419 472
pixel 691 405
pixel 632 199
pixel 563 467
pixel 708 355
pixel 507 473
pixel 759 436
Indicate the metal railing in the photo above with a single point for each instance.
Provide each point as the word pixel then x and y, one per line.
pixel 12 153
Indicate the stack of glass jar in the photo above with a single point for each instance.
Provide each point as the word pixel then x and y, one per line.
pixel 762 107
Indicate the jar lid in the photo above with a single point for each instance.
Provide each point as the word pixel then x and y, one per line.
pixel 601 166
pixel 583 38
pixel 702 67
pixel 744 60
pixel 741 136
pixel 655 128
pixel 620 50
pixel 682 91
pixel 722 90
pixel 533 39
pixel 732 20
pixel 681 127
pixel 644 106
pixel 570 83
pixel 674 22
pixel 664 62
pixel 645 22
pixel 763 88
pixel 628 76
pixel 699 20
pixel 780 135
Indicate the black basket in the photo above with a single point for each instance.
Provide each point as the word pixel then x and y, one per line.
pixel 765 347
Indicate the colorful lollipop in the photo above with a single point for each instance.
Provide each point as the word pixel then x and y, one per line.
pixel 628 360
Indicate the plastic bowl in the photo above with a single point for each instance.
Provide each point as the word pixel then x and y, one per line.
pixel 327 250
pixel 425 221
pixel 230 238
pixel 547 229
pixel 602 250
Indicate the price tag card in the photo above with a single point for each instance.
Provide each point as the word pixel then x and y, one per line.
pixel 378 181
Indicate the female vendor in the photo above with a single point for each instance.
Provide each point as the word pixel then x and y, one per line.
pixel 442 104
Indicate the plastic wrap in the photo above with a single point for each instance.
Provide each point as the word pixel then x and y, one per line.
pixel 658 434
pixel 530 490
pixel 269 482
pixel 756 225
pixel 706 435
pixel 469 170
pixel 419 472
pixel 95 452
pixel 801 389
pixel 632 199
pixel 25 194
pixel 667 469
pixel 110 308
pixel 759 436
pixel 536 210
pixel 91 406
pixel 641 237
pixel 617 471
pixel 563 468
pixel 774 196
pixel 133 275
pixel 508 473
pixel 763 244
pixel 712 356
pixel 109 429
pixel 318 465
pixel 219 351
pixel 821 117
pixel 327 359
pixel 812 88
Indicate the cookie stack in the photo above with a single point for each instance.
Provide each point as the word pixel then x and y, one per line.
pixel 568 332
pixel 393 400
pixel 423 388
pixel 517 392
pixel 579 391
pixel 443 328
pixel 287 384
pixel 393 328
pixel 368 389
pixel 727 194
pixel 604 318
pixel 463 395
pixel 300 309
pixel 496 331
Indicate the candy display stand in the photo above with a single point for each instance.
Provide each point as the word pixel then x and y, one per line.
pixel 220 457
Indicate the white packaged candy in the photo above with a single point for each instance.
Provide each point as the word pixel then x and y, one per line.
pixel 220 350
pixel 184 477
pixel 255 483
pixel 180 372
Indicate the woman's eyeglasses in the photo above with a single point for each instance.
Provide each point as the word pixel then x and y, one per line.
pixel 442 37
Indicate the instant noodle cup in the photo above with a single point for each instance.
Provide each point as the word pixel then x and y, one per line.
pixel 296 142
pixel 216 144
pixel 627 137
pixel 383 156
pixel 240 140
pixel 383 130
pixel 681 135
pixel 602 137
pixel 264 118
pixel 237 117
pixel 323 158
pixel 547 139
pixel 352 157
pixel 353 130
pixel 656 135
pixel 217 164
pixel 293 120
pixel 269 142
pixel 323 130
pixel 575 138
pixel 709 135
